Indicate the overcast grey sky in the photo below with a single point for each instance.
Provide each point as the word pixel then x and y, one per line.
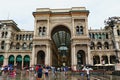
pixel 21 10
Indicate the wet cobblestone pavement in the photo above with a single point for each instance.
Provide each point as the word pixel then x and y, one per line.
pixel 60 76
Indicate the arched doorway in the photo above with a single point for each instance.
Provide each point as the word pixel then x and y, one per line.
pixel 1 60
pixel 41 57
pixel 81 58
pixel 61 47
pixel 11 60
pixel 26 61
pixel 19 62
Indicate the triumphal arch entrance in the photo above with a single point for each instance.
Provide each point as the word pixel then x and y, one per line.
pixel 61 37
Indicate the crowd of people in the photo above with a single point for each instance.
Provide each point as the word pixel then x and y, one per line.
pixel 8 70
pixel 43 71
pixel 39 71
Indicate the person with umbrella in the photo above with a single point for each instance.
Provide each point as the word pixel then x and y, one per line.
pixel 87 69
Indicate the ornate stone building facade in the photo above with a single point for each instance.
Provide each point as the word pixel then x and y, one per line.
pixel 60 37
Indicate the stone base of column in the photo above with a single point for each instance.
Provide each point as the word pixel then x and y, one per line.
pixel 74 67
pixel 117 67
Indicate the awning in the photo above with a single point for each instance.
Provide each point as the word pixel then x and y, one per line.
pixel 11 59
pixel 105 65
pixel 26 59
pixel 19 59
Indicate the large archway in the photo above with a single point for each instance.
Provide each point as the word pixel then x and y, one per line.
pixel 61 55
pixel 41 57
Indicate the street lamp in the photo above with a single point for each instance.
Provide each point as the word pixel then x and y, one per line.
pixel 110 22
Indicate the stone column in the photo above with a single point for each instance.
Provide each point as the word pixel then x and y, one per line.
pixel 86 29
pixel 35 59
pixel 0 45
pixel 73 27
pixel 0 34
pixel 33 55
pixel 89 56
pixel 100 59
pixel 48 28
pixel 7 46
pixel 22 61
pixel 51 56
pixel 9 35
pixel 49 59
pixel 14 60
pixel 35 28
pixel 5 61
pixel 46 55
pixel 108 59
pixel 31 62
pixel 73 57
pixel 115 36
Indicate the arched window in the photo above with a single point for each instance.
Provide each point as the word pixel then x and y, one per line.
pixel 81 30
pixel 17 46
pixel 96 36
pixel 24 37
pixel 118 32
pixel 90 35
pixel 77 29
pixel 106 35
pixel 6 33
pixel 93 36
pixel 112 59
pixel 30 37
pixel 104 59
pixel 44 30
pixel 96 59
pixel 99 45
pixel 20 37
pixel 106 45
pixel 27 37
pixel 99 36
pixel 103 36
pixel 24 46
pixel 30 46
pixel 40 31
pixel 11 45
pixel 17 37
pixel 92 46
pixel 2 34
pixel 3 45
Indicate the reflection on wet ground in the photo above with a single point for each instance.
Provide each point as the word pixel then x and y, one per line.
pixel 60 76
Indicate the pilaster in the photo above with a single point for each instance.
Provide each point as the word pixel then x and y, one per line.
pixel 33 55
